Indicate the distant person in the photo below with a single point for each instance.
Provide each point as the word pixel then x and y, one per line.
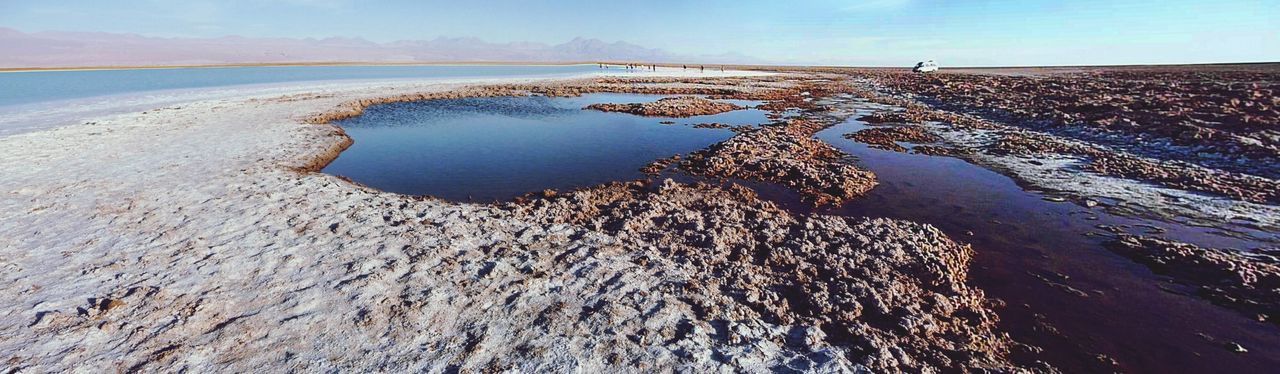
pixel 702 68
pixel 684 67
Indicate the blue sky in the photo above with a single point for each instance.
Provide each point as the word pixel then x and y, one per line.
pixel 851 32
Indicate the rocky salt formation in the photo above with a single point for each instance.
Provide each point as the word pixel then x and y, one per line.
pixel 788 155
pixel 1215 129
pixel 711 125
pixel 1220 116
pixel 1246 281
pixel 658 166
pixel 1167 183
pixel 885 295
pixel 680 107
pixel 934 150
pixel 1189 177
pixel 913 113
pixel 1175 174
pixel 887 138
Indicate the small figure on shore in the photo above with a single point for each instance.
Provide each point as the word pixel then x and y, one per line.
pixel 721 68
pixel 684 67
pixel 702 68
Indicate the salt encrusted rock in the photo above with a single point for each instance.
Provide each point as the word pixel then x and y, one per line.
pixel 887 138
pixel 788 155
pixel 1218 114
pixel 683 106
pixel 1241 280
pixel 889 294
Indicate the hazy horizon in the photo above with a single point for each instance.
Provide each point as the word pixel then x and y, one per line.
pixel 852 33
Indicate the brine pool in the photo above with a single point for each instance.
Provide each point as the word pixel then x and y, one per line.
pixel 495 149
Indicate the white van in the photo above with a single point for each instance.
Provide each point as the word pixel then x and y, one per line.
pixel 925 67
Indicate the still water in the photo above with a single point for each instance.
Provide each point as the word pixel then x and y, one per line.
pixel 43 86
pixel 493 149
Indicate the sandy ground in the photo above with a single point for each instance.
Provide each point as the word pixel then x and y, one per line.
pixel 194 237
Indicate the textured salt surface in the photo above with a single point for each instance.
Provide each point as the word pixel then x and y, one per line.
pixel 194 237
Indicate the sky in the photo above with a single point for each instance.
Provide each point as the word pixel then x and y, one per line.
pixel 826 32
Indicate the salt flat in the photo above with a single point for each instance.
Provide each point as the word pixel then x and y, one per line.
pixel 197 236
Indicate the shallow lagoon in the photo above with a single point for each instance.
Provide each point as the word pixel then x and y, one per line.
pixel 42 86
pixel 493 149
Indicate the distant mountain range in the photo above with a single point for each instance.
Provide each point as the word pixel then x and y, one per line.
pixel 71 49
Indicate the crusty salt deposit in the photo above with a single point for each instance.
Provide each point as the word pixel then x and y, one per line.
pixel 199 237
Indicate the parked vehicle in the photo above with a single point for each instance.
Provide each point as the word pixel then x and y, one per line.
pixel 925 67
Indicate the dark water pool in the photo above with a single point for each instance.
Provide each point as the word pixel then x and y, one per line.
pixel 1040 257
pixel 490 149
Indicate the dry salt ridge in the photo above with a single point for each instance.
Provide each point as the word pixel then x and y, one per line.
pixel 199 237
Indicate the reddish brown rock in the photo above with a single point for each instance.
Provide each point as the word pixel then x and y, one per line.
pixel 787 155
pixel 934 150
pixel 683 106
pixel 1170 174
pixel 887 138
pixel 1246 281
pixel 1232 112
pixel 892 293
pixel 657 166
